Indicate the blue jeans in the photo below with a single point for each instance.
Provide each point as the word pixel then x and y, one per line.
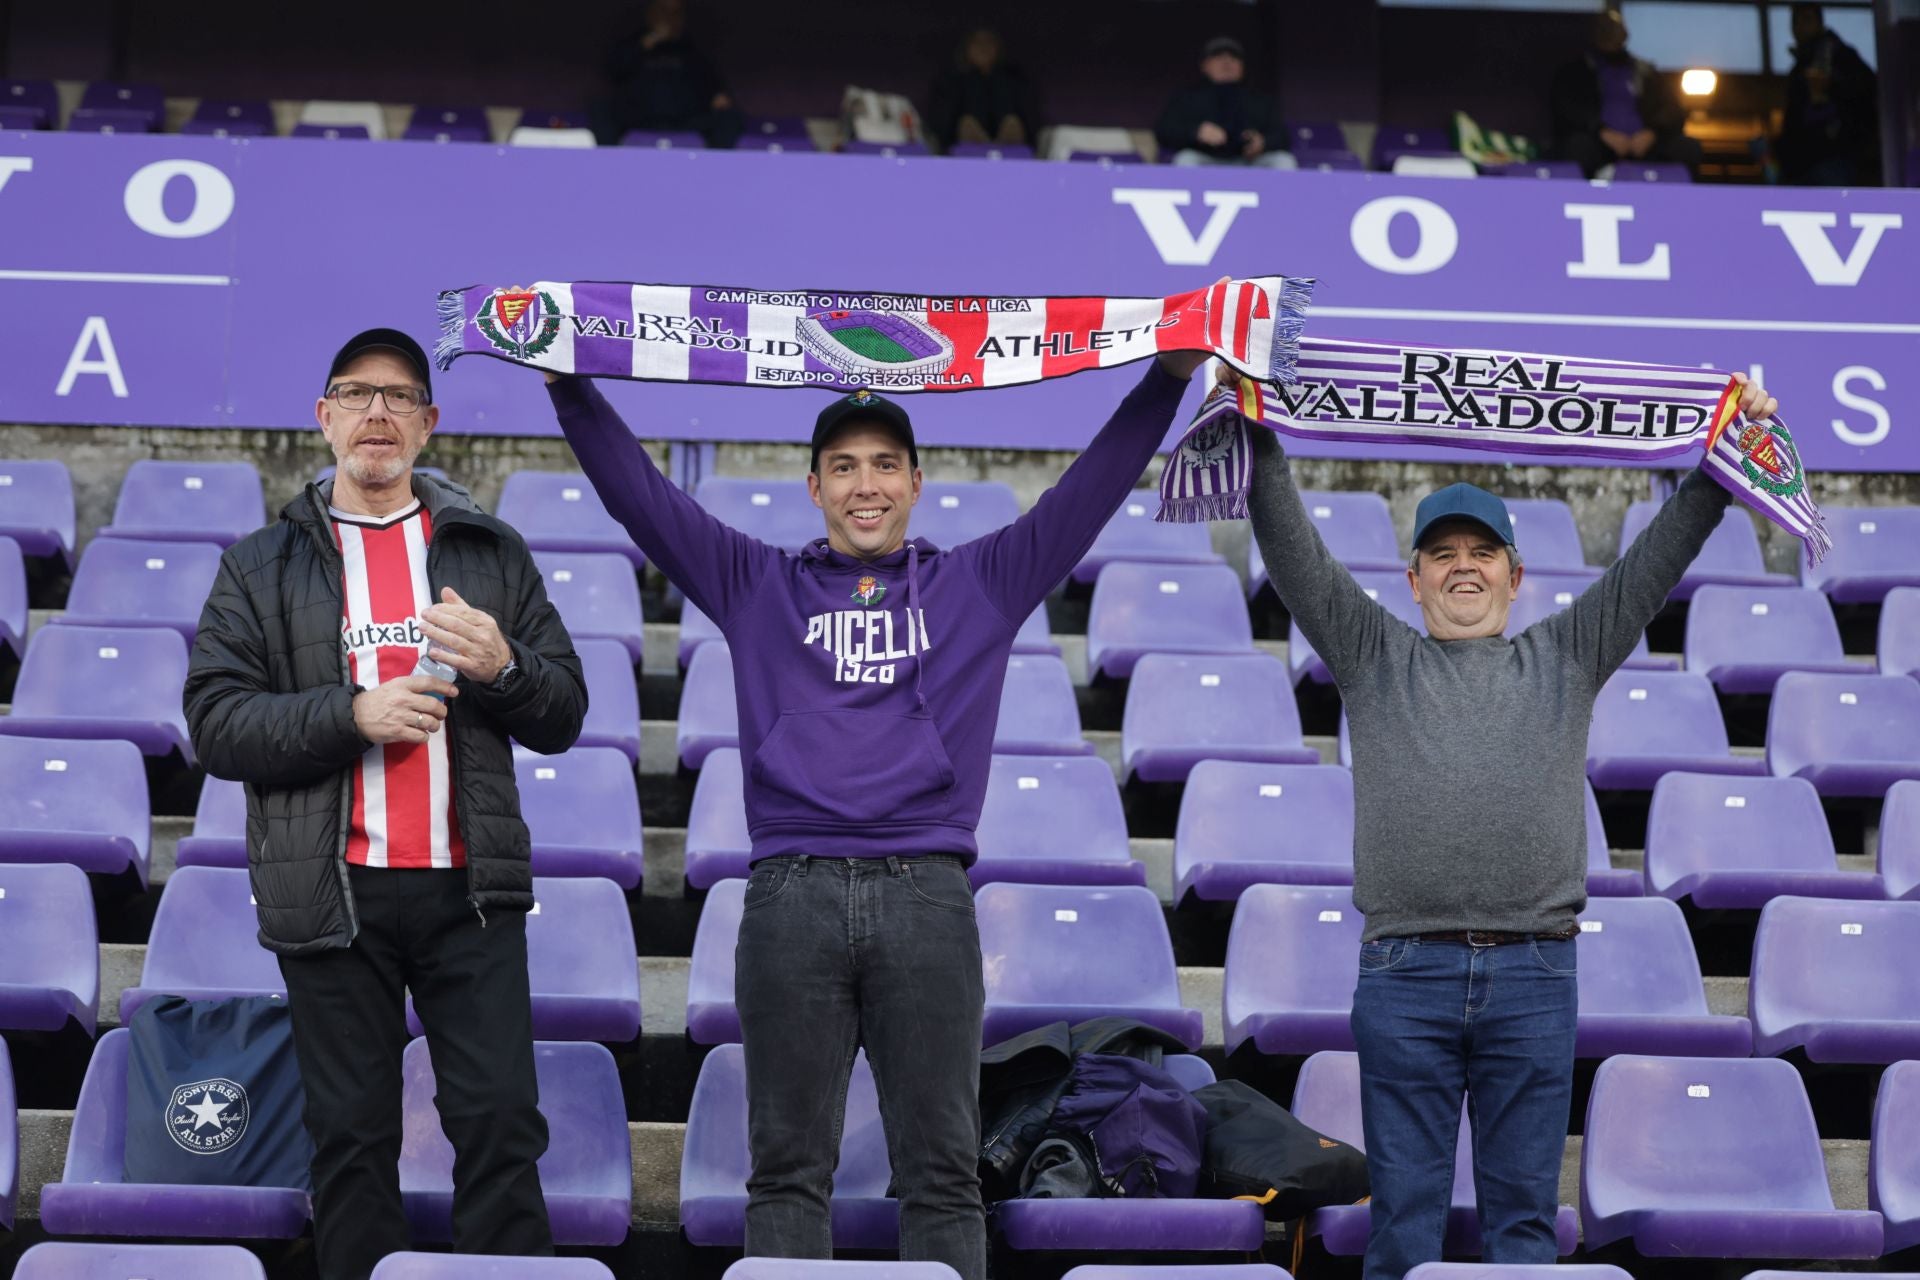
pixel 840 953
pixel 1437 1020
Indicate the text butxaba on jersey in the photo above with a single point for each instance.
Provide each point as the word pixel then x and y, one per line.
pixel 866 644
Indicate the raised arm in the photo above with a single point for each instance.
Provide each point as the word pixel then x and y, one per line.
pixel 1018 565
pixel 1345 627
pixel 713 563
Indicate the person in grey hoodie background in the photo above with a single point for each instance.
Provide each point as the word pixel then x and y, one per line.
pixel 1470 883
pixel 867 673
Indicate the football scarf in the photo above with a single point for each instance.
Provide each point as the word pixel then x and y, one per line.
pixel 848 341
pixel 1550 406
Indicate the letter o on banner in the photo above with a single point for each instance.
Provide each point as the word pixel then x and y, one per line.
pixel 1439 236
pixel 212 199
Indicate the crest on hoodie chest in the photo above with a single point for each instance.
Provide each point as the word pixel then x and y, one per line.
pixel 866 645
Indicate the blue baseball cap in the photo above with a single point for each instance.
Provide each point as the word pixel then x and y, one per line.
pixel 1462 502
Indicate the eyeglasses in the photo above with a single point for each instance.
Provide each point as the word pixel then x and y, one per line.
pixel 402 400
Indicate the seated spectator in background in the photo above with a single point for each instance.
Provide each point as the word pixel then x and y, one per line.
pixel 982 98
pixel 1221 120
pixel 1831 134
pixel 661 82
pixel 1610 106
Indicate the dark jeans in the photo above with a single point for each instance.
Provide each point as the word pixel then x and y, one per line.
pixel 840 953
pixel 418 933
pixel 1434 1020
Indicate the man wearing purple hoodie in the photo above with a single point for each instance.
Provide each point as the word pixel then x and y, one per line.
pixel 867 669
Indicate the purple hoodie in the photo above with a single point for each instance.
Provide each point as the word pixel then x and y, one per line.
pixel 867 718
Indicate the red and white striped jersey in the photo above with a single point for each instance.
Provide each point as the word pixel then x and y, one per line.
pixel 403 814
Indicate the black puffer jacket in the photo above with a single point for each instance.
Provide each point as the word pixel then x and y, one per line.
pixel 269 703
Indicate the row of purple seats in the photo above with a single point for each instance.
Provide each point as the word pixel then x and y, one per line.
pixel 70 1260
pixel 216 502
pixel 586 1174
pixel 1050 953
pixel 103 682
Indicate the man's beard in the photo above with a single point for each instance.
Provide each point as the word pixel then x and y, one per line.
pixel 376 475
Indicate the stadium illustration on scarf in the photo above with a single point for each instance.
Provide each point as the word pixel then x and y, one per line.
pixel 1298 385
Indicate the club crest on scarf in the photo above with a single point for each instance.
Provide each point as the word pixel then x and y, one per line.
pixel 1770 461
pixel 520 322
pixel 869 591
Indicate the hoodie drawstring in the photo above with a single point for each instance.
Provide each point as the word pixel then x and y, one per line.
pixel 915 621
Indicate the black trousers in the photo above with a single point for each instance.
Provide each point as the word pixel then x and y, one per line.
pixel 419 934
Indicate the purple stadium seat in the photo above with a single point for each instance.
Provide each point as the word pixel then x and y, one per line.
pixel 439 117
pixel 1544 594
pixel 1899 855
pixel 1648 723
pixel 1640 986
pixel 22 119
pixel 9 1145
pixel 712 1015
pixel 38 97
pixel 1067 953
pixel 778 512
pixel 50 967
pixel 776 126
pixel 1196 1271
pixel 103 120
pixel 1731 556
pixel 1745 638
pixel 103 682
pixel 92 1197
pixel 219 836
pixel 696 629
pixel 126 582
pixel 559 511
pixel 709 717
pixel 481 1266
pixel 254 115
pixel 1243 824
pixel 1053 820
pixel 1738 1171
pixel 1393 141
pixel 1872 553
pixel 1039 715
pixel 216 502
pixel 446 133
pixel 1292 955
pixel 597 595
pixel 613 701
pixel 205 943
pixel 1315 135
pixel 1182 710
pixel 1164 608
pixel 663 139
pixel 225 129
pixel 1642 171
pixel 70 1260
pixel 1899 642
pixel 855 147
pixel 1548 539
pixel 1740 842
pixel 775 144
pixel 36 507
pixel 583 811
pixel 1105 159
pixel 13 598
pixel 1893 1163
pixel 718 846
pixel 1836 980
pixel 586 1174
pixel 111 95
pixel 74 801
pixel 580 963
pixel 955 511
pixel 1848 735
pixel 1327 1098
pixel 1604 880
pixel 1035 635
pixel 1385 588
pixel 1331 160
pixel 1139 1225
pixel 991 150
pixel 714 1161
pixel 1357 529
pixel 1133 534
pixel 1537 169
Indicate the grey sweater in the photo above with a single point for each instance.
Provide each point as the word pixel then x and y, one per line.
pixel 1469 755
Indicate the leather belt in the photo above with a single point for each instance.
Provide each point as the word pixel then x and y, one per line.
pixel 1494 938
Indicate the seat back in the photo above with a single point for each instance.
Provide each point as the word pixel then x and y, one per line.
pixel 580 939
pixel 1132 533
pixel 778 512
pixel 1241 811
pixel 355 115
pixel 1070 945
pixel 206 936
pixel 1038 709
pixel 613 700
pixel 1699 823
pixel 595 592
pixel 558 510
pixel 1056 807
pixel 1660 713
pixel 46 916
pixel 583 798
pixel 1636 957
pixel 1819 960
pixel 82 793
pixel 1893 1160
pixel 1839 719
pixel 708 713
pixel 1899 855
pixel 132 581
pixel 1759 626
pixel 952 512
pixel 1168 608
pixel 1872 551
pixel 36 506
pixel 1223 700
pixel 190 501
pixel 1899 641
pixel 712 1017
pixel 71 1260
pixel 1545 533
pixel 1292 948
pixel 1357 528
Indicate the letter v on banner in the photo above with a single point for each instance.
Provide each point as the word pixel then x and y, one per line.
pixel 1159 212
pixel 1807 232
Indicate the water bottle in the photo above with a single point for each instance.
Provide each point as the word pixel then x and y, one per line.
pixel 439 670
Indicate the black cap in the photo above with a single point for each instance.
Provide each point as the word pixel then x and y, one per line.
pixel 866 406
pixel 393 340
pixel 1224 44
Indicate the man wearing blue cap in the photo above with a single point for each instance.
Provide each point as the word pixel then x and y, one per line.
pixel 1469 852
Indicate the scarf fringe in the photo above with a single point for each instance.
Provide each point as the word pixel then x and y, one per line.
pixel 1296 292
pixel 1199 510
pixel 453 322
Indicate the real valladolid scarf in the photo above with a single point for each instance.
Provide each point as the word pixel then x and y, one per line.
pixel 1301 386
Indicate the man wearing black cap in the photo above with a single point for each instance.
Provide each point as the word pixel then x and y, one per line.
pixel 867 674
pixel 1469 852
pixel 385 843
pixel 1220 120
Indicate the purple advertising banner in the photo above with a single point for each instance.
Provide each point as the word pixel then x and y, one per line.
pixel 186 281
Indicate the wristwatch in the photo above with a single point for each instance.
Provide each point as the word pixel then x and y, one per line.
pixel 509 677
